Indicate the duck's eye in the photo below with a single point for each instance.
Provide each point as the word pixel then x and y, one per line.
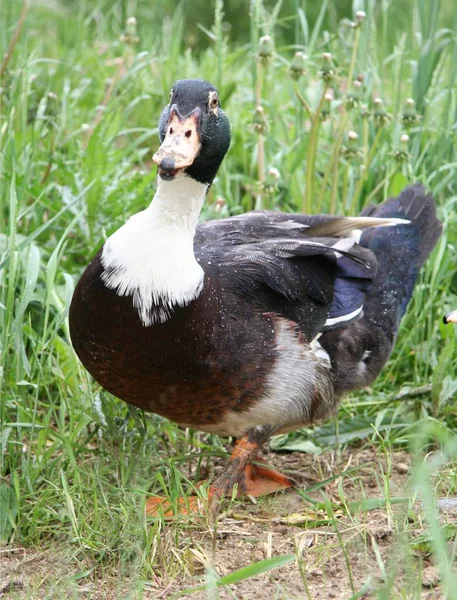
pixel 213 100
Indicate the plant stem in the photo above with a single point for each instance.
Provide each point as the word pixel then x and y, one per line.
pixel 303 101
pixel 363 175
pixel 365 139
pixel 310 166
pixel 345 185
pixel 336 170
pixel 219 16
pixel 376 189
pixel 51 156
pixel 260 142
pixel 15 38
pixel 333 167
pixel 353 56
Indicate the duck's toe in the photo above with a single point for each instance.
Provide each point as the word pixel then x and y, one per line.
pixel 258 480
pixel 157 506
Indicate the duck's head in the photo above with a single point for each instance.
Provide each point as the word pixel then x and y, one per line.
pixel 194 132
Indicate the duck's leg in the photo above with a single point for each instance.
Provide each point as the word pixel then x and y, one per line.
pixel 252 479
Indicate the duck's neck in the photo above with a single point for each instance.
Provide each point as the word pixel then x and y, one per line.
pixel 151 257
pixel 177 204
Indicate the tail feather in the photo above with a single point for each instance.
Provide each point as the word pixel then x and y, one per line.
pixel 346 225
pixel 359 350
pixel 418 207
pixel 402 250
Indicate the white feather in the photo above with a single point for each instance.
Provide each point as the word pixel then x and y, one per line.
pixel 151 257
pixel 345 244
pixel 299 372
pixel 334 320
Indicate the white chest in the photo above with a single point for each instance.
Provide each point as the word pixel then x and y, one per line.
pixel 151 257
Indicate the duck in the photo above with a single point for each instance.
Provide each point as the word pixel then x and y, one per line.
pixel 247 326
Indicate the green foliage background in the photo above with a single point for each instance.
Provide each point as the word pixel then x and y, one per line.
pixel 80 103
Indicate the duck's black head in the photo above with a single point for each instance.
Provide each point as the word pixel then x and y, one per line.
pixel 194 132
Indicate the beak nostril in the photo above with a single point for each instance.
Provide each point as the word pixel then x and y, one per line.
pixel 180 144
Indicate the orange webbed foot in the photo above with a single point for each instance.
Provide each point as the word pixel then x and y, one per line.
pixel 258 480
pixel 252 479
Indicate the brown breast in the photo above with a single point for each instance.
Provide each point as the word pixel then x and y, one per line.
pixel 209 357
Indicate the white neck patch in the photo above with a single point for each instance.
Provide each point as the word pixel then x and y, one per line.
pixel 151 257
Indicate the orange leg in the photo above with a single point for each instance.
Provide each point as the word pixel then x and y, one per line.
pixel 252 479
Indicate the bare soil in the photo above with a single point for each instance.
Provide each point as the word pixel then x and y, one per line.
pixel 335 561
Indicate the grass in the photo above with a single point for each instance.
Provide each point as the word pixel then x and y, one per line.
pixel 78 123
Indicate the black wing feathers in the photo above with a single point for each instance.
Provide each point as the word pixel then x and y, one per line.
pixel 273 262
pixel 298 288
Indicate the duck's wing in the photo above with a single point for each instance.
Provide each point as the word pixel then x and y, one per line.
pixel 308 269
pixel 295 279
pixel 258 226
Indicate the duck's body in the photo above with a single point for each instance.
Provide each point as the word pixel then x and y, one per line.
pixel 231 353
pixel 247 326
pixel 210 366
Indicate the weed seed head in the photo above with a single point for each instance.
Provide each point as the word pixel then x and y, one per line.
pixel 270 183
pixel 52 108
pixel 380 116
pixel 259 120
pixel 328 69
pixel 326 107
pixel 364 111
pixel 353 98
pixel 401 154
pixel 297 66
pixel 351 149
pixel 130 35
pixel 409 116
pixel 219 204
pixel 360 17
pixel 265 48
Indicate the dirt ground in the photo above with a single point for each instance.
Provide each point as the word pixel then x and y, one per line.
pixel 283 524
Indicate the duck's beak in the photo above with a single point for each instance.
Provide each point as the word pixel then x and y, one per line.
pixel 450 317
pixel 181 144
